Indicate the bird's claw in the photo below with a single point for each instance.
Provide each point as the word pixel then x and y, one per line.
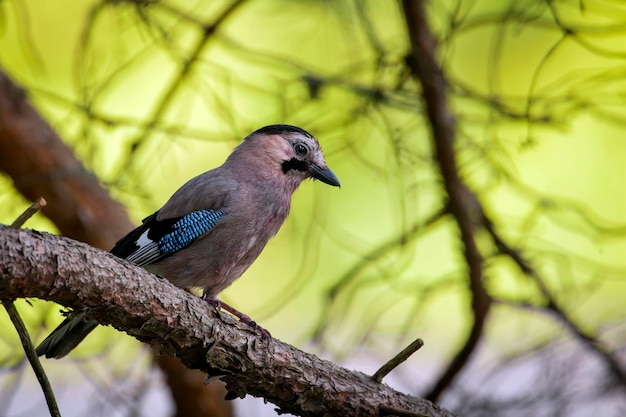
pixel 243 318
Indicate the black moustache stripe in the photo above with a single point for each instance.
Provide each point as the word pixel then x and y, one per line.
pixel 295 164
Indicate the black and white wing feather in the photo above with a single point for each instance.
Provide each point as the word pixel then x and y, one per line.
pixel 155 239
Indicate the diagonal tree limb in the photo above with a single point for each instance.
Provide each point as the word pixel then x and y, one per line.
pixel 462 203
pixel 41 165
pixel 174 322
pixel 467 210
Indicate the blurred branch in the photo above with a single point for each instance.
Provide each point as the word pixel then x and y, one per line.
pixel 379 252
pixel 193 397
pixel 553 306
pixel 463 205
pixel 162 105
pixel 172 321
pixel 40 164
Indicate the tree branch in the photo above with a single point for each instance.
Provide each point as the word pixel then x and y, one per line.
pixel 174 322
pixel 394 362
pixel 40 164
pixel 553 306
pixel 31 355
pixel 22 331
pixel 462 203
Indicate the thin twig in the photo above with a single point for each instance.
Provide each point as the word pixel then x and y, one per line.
pixel 20 327
pixel 174 87
pixel 28 213
pixel 397 360
pixel 553 305
pixel 32 357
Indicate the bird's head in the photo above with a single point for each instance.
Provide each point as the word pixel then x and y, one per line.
pixel 293 151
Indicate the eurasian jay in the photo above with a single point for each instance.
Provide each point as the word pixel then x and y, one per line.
pixel 214 226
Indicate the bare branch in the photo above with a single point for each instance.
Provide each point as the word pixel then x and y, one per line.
pixel 462 202
pixel 178 81
pixel 555 308
pixel 397 360
pixel 32 357
pixel 28 213
pixel 21 329
pixel 176 323
pixel 40 164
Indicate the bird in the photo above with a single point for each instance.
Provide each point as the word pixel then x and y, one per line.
pixel 215 226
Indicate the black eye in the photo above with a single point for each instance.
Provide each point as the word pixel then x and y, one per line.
pixel 300 149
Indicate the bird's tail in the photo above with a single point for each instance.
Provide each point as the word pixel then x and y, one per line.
pixel 66 336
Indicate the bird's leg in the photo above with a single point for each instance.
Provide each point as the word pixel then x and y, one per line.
pixel 244 318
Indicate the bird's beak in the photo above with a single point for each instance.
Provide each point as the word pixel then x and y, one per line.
pixel 324 174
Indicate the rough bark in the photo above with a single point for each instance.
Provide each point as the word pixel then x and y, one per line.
pixel 176 323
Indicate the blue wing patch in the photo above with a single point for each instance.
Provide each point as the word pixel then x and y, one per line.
pixel 188 229
pixel 156 239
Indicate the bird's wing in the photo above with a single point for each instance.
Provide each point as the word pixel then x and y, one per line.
pixel 155 239
pixel 192 212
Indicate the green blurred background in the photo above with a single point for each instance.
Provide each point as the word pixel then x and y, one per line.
pixel 147 101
